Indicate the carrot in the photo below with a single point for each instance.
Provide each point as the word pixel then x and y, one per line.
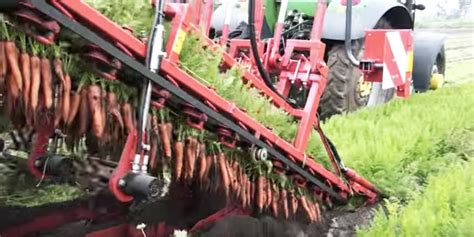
pixel 94 97
pixel 306 208
pixel 268 195
pixel 284 200
pixel 260 192
pixel 59 104
pixel 293 203
pixel 253 190
pixel 66 98
pixel 118 117
pixel 243 190
pixel 216 173
pixel 84 113
pixel 224 175
pixel 98 122
pixel 58 69
pixel 178 159
pixel 165 138
pixel 241 184
pixel 247 192
pixel 75 102
pixel 153 151
pixel 233 171
pixel 312 208
pixel 169 130
pixel 10 97
pixel 128 117
pixel 26 74
pixel 230 174
pixel 318 212
pixel 274 205
pixel 112 100
pixel 35 81
pixel 154 125
pixel 3 65
pixel 202 163
pixel 103 106
pixel 114 108
pixel 46 82
pixel 238 192
pixel 206 180
pixel 12 89
pixel 11 52
pixel 193 145
pixel 187 154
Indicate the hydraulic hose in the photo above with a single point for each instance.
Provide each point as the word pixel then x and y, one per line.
pixel 348 38
pixel 258 62
pixel 150 62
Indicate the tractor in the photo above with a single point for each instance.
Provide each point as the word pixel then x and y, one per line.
pixel 212 114
pixel 346 89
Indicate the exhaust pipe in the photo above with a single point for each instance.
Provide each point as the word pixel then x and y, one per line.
pixel 348 39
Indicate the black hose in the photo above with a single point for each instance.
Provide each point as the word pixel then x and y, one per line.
pixel 258 62
pixel 158 19
pixel 327 142
pixel 348 38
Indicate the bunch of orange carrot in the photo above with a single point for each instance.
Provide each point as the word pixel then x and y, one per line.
pixel 196 160
pixel 45 85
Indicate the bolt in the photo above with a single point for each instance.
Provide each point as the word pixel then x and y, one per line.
pixel 263 154
pixel 38 163
pixel 122 183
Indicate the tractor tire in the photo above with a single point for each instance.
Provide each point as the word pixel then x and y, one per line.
pixel 342 93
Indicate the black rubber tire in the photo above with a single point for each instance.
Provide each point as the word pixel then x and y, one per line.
pixel 340 95
pixel 335 98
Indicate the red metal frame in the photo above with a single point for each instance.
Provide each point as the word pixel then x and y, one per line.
pixel 124 166
pixel 385 65
pixel 181 24
pixel 40 146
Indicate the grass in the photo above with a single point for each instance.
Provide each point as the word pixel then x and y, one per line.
pixel 391 145
pixel 460 72
pixel 204 64
pixel 47 194
pixel 137 14
pixel 446 206
pixel 451 23
pixel 20 189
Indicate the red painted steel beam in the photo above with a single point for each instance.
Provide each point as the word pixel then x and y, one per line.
pixel 94 18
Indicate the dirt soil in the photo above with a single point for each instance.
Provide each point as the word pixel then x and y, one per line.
pixel 334 224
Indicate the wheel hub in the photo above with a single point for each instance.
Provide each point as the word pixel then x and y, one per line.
pixel 437 79
pixel 363 87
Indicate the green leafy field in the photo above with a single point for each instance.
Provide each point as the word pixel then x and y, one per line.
pixel 392 145
pixel 445 208
pixel 420 152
